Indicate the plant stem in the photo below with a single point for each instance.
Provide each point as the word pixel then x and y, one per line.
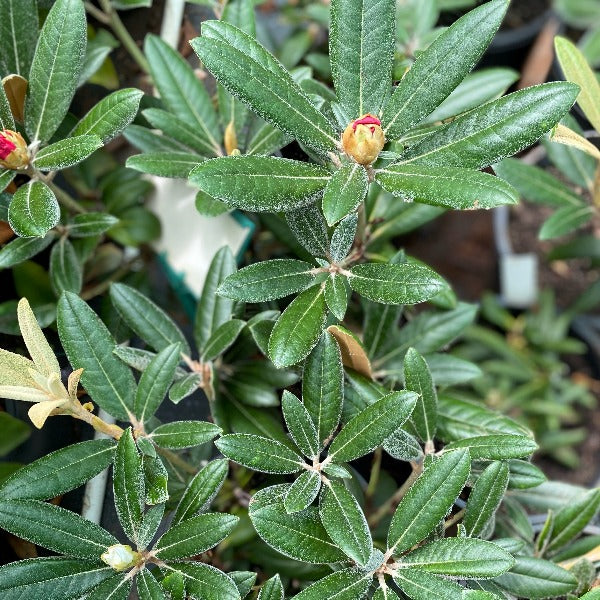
pixel 66 200
pixel 101 287
pixel 374 478
pixel 176 460
pixel 455 518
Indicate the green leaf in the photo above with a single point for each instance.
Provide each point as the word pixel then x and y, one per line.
pixel 155 381
pixel 182 92
pixel 18 35
pixel 33 210
pixel 253 75
pixel 267 280
pixel 184 434
pixel 91 224
pixel 336 295
pixel 128 482
pixel 403 446
pixel 115 588
pixel 260 183
pixel 310 229
pixel 496 130
pixel 421 585
pixel 165 163
pixel 299 424
pixel 349 584
pixel 54 528
pixel 15 432
pixel 208 206
pixel 66 153
pixel 55 69
pixel 461 557
pixel 342 238
pixel 368 430
pixel 272 589
pixel 259 453
pixel 201 491
pixel 565 220
pixel 428 500
pixel 146 318
pixel 576 69
pixel 51 578
pixel 150 522
pixel 418 379
pixel 156 479
pixel 524 475
pixel 59 472
pixel 300 535
pixel 361 47
pixel 395 283
pixel 485 497
pixel 496 447
pixel 89 345
pixel 206 582
pixel 214 310
pixel 194 535
pixel 302 492
pixel 147 587
pixel 447 370
pixel 298 329
pixel 244 580
pixel 222 339
pixel 111 115
pixel 450 187
pixel 322 386
pixel 345 191
pixel 535 578
pixel 440 68
pixel 6 178
pixel 65 270
pixel 345 522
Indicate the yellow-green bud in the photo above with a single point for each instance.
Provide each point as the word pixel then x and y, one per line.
pixel 120 557
pixel 363 139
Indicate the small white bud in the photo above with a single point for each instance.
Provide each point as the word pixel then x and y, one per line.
pixel 120 557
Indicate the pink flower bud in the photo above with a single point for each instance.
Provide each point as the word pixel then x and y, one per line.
pixel 363 139
pixel 13 150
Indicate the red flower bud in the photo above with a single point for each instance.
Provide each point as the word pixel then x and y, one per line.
pixel 363 139
pixel 13 150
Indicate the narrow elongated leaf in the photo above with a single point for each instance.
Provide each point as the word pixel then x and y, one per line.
pixel 345 522
pixel 345 190
pixel 201 490
pixel 259 80
pixel 302 492
pixel 260 183
pixel 146 318
pixel 496 130
pixel 440 68
pixel 223 338
pixel 342 238
pixel 59 472
pixel 128 482
pixel 51 578
pixel 90 224
pixel 418 379
pixel 428 500
pixel 272 589
pixel 55 69
pixel 349 584
pixel 361 48
pixel 565 220
pixel 466 557
pixel 485 497
pixel 54 528
pixel 66 153
pixel 259 453
pixel 147 587
pixel 310 229
pixel 298 329
pixel 182 92
pixel 421 585
pixel 33 210
pixel 322 386
pixel 300 535
pixel 354 355
pixel 395 283
pixel 496 447
pixel 205 581
pixel 460 189
pixel 244 580
pixel 66 273
pixel 165 163
pixel 111 115
pixel 150 522
pixel 89 345
pixel 299 424
pixel 403 446
pixel 184 434
pixel 155 381
pixel 372 426
pixel 195 535
pixel 18 35
pixel 336 295
pixel 524 475
pixel 115 588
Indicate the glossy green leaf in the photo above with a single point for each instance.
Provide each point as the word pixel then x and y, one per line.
pixel 165 163
pixel 150 522
pixel 33 210
pixel 449 370
pixel 496 447
pixel 485 497
pixel 147 587
pixel 302 492
pixel 418 379
pixel 267 280
pixel 260 183
pixel 450 187
pixel 91 224
pixel 565 220
pixel 205 581
pixel 298 329
pixel 194 535
pixel 254 76
pixel 111 115
pixel 403 446
pixel 65 270
pixel 59 472
pixel 223 338
pixel 300 425
pixel 115 588
pixel 421 585
pixel 345 522
pixel 372 426
pixel 89 345
pixel 155 381
pixel 201 490
pixel 272 589
pixel 349 584
pixel 395 283
pixel 342 238
pixel 15 431
pixel 244 580
pixel 344 192
pixel 55 69
pixel 428 500
pixel 66 153
pixel 440 68
pixel 267 140
pixel 184 434
pixel 18 35
pixel 310 229
pixel 336 295
pixel 146 318
pixel 6 178
pixel 524 475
